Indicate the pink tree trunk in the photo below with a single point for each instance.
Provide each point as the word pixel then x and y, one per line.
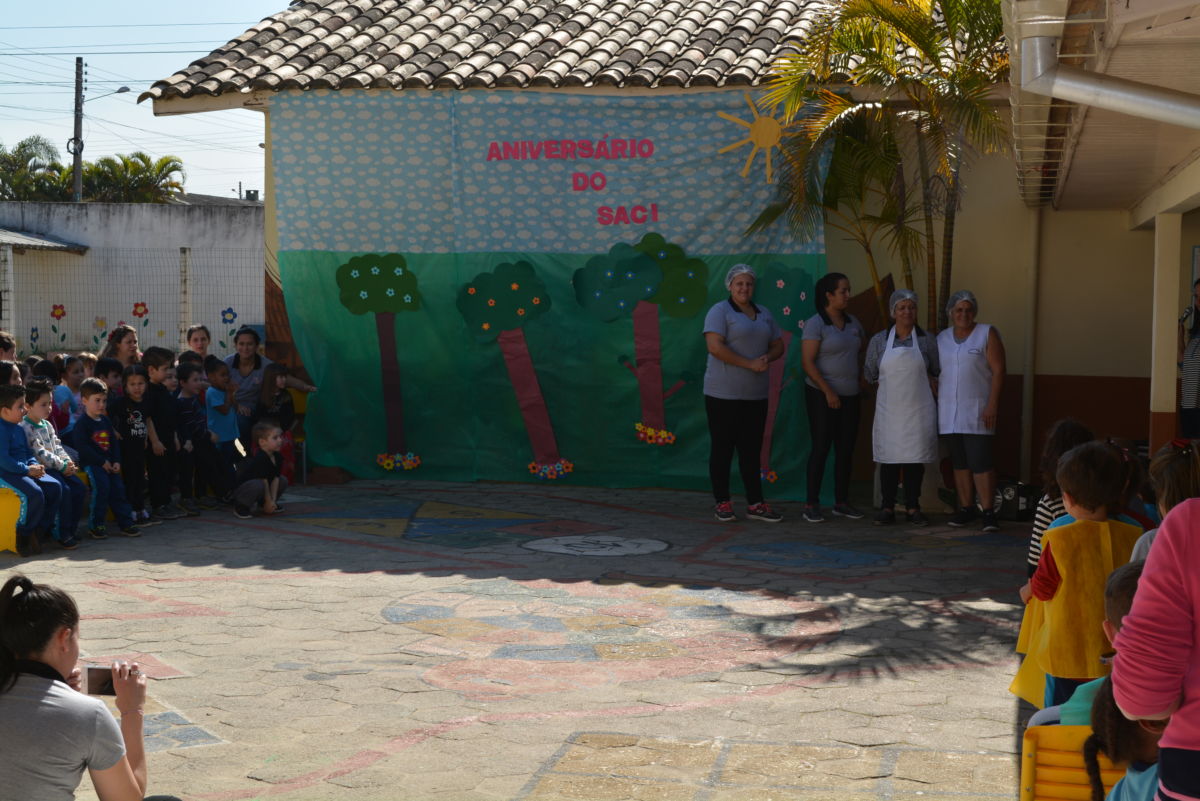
pixel 778 368
pixel 529 395
pixel 647 344
pixel 389 366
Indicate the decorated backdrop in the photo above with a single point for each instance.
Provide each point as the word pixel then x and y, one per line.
pixel 512 285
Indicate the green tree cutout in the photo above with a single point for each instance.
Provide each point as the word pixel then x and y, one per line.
pixel 383 284
pixel 496 307
pixel 640 280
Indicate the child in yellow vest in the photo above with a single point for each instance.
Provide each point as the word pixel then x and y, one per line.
pixel 1061 634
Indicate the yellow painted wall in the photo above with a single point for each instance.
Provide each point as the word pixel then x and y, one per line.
pixel 1094 271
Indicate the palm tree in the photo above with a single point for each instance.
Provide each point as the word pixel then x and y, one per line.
pixel 133 178
pixel 27 169
pixel 930 65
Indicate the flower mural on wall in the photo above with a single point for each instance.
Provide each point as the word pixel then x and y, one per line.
pixel 57 312
pixel 140 312
pixel 33 337
pixel 228 317
pixel 101 336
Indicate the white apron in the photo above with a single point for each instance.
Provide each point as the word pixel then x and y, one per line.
pixel 905 429
pixel 965 383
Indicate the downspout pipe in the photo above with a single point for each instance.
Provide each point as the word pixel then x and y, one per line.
pixel 1041 74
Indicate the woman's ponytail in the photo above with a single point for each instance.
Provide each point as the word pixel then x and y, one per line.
pixel 30 614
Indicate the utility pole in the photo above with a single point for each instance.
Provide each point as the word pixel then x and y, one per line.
pixel 75 146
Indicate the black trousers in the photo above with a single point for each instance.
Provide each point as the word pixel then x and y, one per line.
pixel 836 428
pixel 736 425
pixel 162 471
pixel 133 472
pixel 889 481
pixel 200 469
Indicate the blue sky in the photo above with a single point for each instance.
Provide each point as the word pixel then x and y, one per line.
pixel 38 46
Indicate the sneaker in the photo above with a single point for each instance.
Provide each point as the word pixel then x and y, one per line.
pixel 760 511
pixel 165 513
pixel 812 514
pixel 189 507
pixel 147 519
pixel 963 516
pixel 243 512
pixel 723 512
pixel 131 531
pixel 917 518
pixel 178 510
pixel 208 502
pixel 23 546
pixel 35 544
pixel 885 517
pixel 989 520
pixel 847 511
pixel 69 544
pixel 98 533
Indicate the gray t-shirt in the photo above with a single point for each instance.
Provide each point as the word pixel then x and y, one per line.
pixel 745 337
pixel 246 387
pixel 837 358
pixel 50 734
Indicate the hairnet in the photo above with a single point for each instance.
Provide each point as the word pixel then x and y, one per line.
pixel 962 294
pixel 899 295
pixel 737 270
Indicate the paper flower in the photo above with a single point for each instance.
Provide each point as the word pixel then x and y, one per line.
pixel 58 311
pixel 140 309
pixel 770 476
pixel 228 316
pixel 390 461
pixel 552 470
pixel 781 285
pixel 654 436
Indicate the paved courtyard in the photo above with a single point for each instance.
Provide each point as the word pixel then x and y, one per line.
pixel 484 642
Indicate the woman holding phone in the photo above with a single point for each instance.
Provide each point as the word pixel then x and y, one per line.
pixel 51 731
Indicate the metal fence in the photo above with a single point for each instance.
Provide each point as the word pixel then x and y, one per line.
pixel 67 301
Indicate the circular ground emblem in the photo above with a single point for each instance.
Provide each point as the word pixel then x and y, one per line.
pixel 596 545
pixel 502 639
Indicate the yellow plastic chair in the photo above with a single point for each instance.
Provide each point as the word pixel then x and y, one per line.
pixel 1052 765
pixel 10 513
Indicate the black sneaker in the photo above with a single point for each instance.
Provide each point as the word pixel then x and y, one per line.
pixel 243 512
pixel 812 514
pixel 847 511
pixel 917 518
pixel 147 519
pixel 964 515
pixel 98 533
pixel 69 544
pixel 131 531
pixel 189 507
pixel 989 520
pixel 763 512
pixel 723 511
pixel 165 513
pixel 885 517
pixel 35 544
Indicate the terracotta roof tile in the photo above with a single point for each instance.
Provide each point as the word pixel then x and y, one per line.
pixel 415 44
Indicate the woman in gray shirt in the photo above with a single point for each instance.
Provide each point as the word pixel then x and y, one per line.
pixel 832 344
pixel 742 340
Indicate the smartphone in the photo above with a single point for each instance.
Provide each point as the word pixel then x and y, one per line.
pixel 100 681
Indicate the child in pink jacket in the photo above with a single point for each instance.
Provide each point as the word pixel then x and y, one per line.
pixel 1156 673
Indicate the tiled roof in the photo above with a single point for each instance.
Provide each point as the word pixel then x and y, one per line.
pixel 466 44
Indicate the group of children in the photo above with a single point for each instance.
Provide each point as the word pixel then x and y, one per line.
pixel 132 436
pixel 1096 582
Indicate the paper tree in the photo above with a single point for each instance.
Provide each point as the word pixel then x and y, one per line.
pixel 640 280
pixel 496 307
pixel 788 294
pixel 384 285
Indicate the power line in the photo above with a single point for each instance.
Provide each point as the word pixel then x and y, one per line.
pixel 125 44
pixel 105 53
pixel 139 25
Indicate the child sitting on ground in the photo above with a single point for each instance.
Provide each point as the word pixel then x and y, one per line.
pixel 100 457
pixel 1175 473
pixel 1123 741
pixel 275 403
pixel 49 452
pixel 1061 633
pixel 131 419
pixel 258 479
pixel 21 472
pixel 1062 436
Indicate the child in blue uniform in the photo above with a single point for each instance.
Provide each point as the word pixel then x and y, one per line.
pixel 100 456
pixel 21 472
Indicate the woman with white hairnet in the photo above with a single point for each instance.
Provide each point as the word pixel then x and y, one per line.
pixel 903 360
pixel 972 358
pixel 743 339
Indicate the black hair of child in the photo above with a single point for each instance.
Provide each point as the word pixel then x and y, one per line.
pixel 1113 734
pixel 10 394
pixel 214 365
pixel 1091 474
pixel 156 357
pixel 262 429
pixel 186 370
pixel 36 388
pixel 132 370
pixel 107 366
pixel 190 357
pixel 1062 437
pixel 92 386
pixel 47 369
pixel 1119 590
